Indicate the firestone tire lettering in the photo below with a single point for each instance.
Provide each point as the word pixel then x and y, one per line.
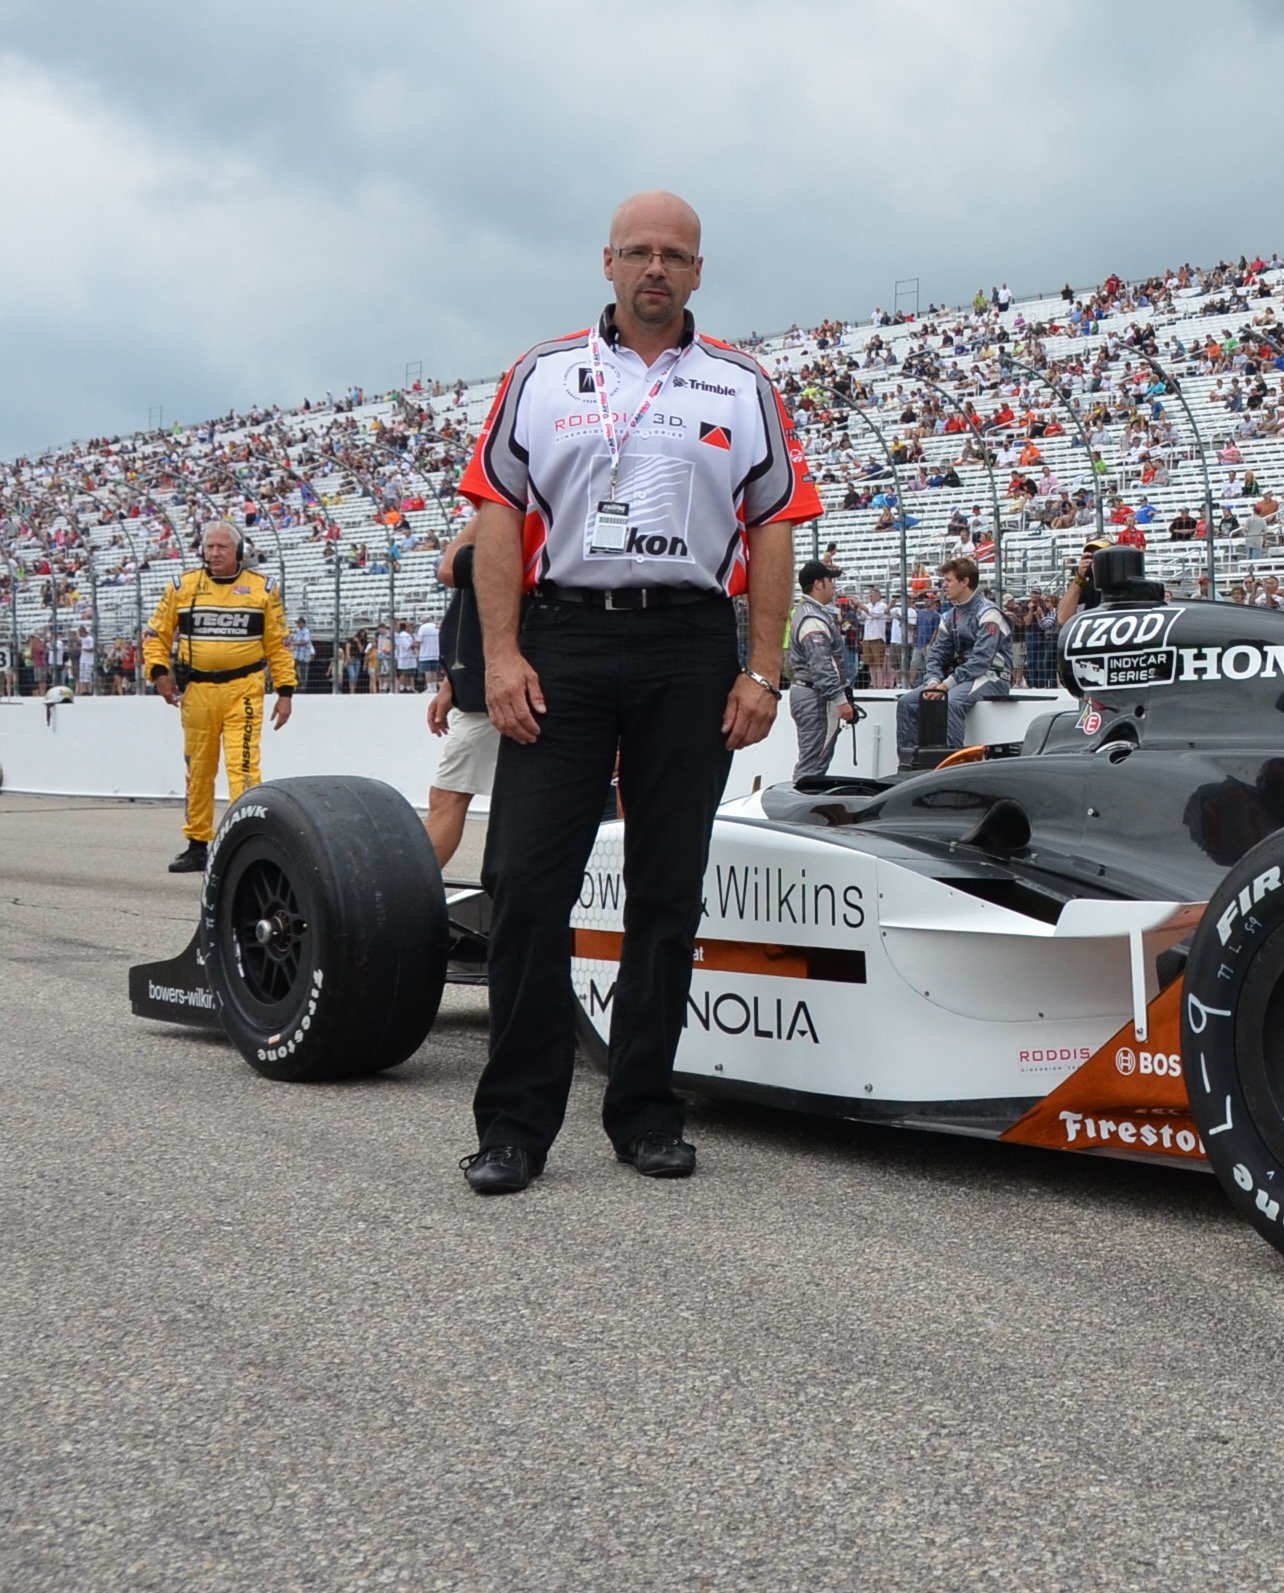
pixel 1232 1006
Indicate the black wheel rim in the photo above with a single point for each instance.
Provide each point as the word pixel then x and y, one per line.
pixel 266 933
pixel 1259 1042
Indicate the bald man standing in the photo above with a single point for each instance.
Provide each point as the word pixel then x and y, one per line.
pixel 631 479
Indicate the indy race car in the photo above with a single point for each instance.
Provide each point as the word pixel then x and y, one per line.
pixel 1076 941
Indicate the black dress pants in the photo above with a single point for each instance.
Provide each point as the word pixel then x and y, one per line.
pixel 652 683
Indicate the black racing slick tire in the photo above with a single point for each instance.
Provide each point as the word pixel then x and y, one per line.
pixel 1233 1035
pixel 324 928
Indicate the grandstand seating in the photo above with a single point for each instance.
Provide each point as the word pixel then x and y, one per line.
pixel 88 515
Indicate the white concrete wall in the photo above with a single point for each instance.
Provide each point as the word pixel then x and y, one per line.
pixel 133 747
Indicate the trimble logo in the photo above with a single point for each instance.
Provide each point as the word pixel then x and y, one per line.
pixel 705 387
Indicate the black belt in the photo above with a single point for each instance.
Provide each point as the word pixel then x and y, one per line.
pixel 219 677
pixel 626 597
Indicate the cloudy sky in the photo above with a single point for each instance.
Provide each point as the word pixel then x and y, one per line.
pixel 208 205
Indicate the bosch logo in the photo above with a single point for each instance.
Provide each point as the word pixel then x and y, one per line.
pixel 1150 1064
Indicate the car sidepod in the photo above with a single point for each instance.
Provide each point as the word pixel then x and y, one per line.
pixel 844 973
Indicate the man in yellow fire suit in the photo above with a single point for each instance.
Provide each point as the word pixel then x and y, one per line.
pixel 229 622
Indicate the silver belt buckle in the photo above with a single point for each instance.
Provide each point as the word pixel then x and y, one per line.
pixel 623 608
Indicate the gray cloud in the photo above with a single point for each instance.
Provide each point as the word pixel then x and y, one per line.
pixel 214 205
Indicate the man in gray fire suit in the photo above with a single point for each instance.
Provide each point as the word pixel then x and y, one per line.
pixel 971 658
pixel 819 669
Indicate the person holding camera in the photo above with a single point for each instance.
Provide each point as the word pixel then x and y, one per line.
pixel 1081 591
pixel 229 624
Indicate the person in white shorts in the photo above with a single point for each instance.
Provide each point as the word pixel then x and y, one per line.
pixel 458 710
pixel 429 639
pixel 407 656
pixel 88 656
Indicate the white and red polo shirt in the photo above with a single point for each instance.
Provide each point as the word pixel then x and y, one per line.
pixel 713 456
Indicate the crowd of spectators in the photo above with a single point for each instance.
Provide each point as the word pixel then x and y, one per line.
pixel 906 420
pixel 366 483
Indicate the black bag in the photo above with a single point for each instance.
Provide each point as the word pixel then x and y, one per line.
pixel 933 731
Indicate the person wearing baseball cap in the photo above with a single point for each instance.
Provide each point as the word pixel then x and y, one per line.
pixel 819 671
pixel 1081 593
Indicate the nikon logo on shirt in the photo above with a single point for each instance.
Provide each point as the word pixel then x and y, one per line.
pixel 656 545
pixel 227 623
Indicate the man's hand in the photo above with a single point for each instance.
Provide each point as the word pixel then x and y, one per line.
pixel 439 707
pixel 513 697
pixel 750 714
pixel 281 710
pixel 167 687
pixel 934 689
pixel 846 712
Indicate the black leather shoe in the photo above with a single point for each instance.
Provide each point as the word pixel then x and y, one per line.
pixel 501 1169
pixel 192 861
pixel 659 1156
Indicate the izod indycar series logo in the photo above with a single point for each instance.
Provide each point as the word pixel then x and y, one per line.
pixel 1129 649
pixel 1134 648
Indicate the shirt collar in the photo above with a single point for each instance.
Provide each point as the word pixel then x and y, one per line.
pixel 610 333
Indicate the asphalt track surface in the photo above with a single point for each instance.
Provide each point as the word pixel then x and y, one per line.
pixel 261 1336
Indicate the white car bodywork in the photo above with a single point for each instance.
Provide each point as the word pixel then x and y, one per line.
pixel 868 977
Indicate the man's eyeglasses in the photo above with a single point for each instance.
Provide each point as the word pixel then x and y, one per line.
pixel 638 255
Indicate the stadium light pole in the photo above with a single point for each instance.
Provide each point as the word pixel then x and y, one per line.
pixel 93 621
pixel 303 481
pixel 138 579
pixel 37 501
pixel 220 516
pixel 262 508
pixel 157 513
pixel 1256 335
pixel 69 513
pixel 368 484
pixel 424 476
pixel 13 618
pixel 1074 420
pixel 877 431
pixel 970 420
pixel 41 501
pixel 1171 383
